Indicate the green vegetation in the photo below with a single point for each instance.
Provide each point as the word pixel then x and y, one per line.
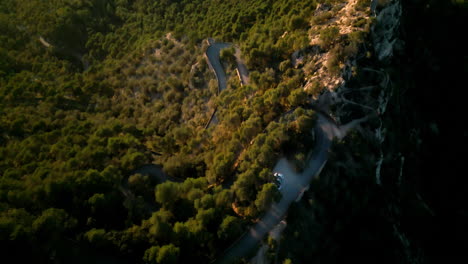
pixel 322 18
pixel 412 216
pixel 363 5
pixel 92 90
pixel 328 36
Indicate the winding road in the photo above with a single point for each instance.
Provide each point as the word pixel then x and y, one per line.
pixel 212 52
pixel 214 62
pixel 294 183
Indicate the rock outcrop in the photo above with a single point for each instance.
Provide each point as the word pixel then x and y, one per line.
pixel 385 30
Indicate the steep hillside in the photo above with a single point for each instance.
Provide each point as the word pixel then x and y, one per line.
pixel 392 188
pixel 116 141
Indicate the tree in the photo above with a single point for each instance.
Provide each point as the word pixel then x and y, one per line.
pixel 230 228
pixel 266 196
pixel 151 255
pixel 328 36
pixel 15 224
pixel 285 65
pixel 140 184
pixel 266 156
pixel 297 22
pixel 97 237
pixel 305 123
pixel 206 216
pixel 297 97
pixel 250 128
pixel 158 226
pixel 92 182
pixel 51 225
pixel 97 202
pixel 243 187
pixel 133 159
pixel 335 58
pixel 223 199
pixel 205 202
pixel 180 166
pixel 221 167
pixel 227 54
pixel 168 254
pixel 167 194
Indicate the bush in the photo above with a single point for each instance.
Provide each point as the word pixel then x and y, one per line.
pixel 227 55
pixel 297 22
pixel 359 22
pixel 362 5
pixel 322 18
pixel 297 97
pixel 285 65
pixel 268 194
pixel 315 88
pixel 328 36
pixel 357 37
pixel 334 59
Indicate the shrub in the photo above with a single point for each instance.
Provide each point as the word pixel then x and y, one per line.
pixel 315 88
pixel 284 65
pixel 227 55
pixel 357 37
pixel 328 36
pixel 359 22
pixel 322 18
pixel 297 22
pixel 334 59
pixel 362 5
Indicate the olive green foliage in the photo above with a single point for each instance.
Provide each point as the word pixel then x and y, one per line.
pixel 362 5
pixel 346 49
pixel 267 195
pixel 92 90
pixel 297 97
pixel 321 18
pixel 162 255
pixel 334 59
pixel 229 228
pixel 328 36
pixel 227 55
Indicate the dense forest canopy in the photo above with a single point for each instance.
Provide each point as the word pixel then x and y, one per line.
pixel 418 213
pixel 90 91
pixel 107 152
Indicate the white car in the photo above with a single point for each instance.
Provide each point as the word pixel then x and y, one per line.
pixel 278 180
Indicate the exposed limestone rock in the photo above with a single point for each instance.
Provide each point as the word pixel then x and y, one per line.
pixel 385 40
pixel 345 15
pixel 385 31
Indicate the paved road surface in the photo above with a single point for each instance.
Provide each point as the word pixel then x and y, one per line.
pixel 213 56
pixel 293 184
pixel 212 52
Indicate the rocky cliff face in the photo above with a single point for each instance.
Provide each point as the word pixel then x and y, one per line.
pixel 384 34
pixel 372 98
pixel 336 32
pixel 337 39
pixel 385 30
